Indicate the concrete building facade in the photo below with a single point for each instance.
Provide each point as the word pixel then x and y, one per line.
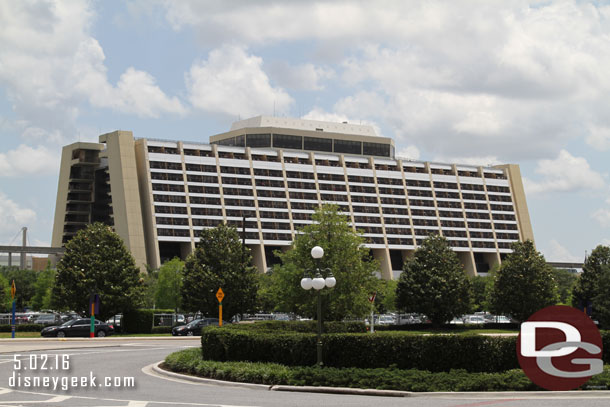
pixel 159 194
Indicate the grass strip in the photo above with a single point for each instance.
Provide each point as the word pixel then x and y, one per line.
pixel 189 361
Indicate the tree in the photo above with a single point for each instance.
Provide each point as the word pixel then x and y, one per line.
pixel 43 289
pixel 97 261
pixel 587 287
pixel 149 286
pixel 169 283
pixel 434 282
pixel 24 281
pixel 482 287
pixel 267 295
pixel 385 300
pixel 344 255
pixel 601 300
pixel 524 283
pixel 566 281
pixel 219 261
pixel 5 295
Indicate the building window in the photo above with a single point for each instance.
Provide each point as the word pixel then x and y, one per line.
pixel 318 144
pixel 258 140
pixel 287 141
pixel 347 146
pixel 377 149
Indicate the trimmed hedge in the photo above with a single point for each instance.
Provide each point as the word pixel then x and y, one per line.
pixel 22 328
pixel 435 353
pixel 140 321
pixel 162 330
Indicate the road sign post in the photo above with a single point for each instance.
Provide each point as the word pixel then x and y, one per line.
pixel 372 301
pixel 13 291
pixel 94 307
pixel 219 296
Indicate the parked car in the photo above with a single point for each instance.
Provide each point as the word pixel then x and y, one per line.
pixel 47 319
pixel 386 320
pixel 78 327
pixel 194 327
pixel 474 319
pixel 115 320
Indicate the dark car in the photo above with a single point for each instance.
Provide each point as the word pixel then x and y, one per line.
pixel 194 327
pixel 78 327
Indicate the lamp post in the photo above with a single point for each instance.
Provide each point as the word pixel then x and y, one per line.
pixel 318 283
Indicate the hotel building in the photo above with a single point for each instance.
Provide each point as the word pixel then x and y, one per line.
pixel 159 194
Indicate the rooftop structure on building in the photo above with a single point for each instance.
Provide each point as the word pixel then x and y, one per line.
pixel 159 194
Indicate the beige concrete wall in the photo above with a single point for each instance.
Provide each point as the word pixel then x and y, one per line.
pixel 125 192
pixel 148 214
pixel 516 187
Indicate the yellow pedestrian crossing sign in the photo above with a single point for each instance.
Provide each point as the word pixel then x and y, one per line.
pixel 220 295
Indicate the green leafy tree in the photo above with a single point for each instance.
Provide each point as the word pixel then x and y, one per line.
pixel 434 282
pixel 169 284
pixel 219 261
pixel 267 296
pixel 524 283
pixel 482 287
pixel 566 281
pixel 5 295
pixel 601 300
pixel 43 289
pixel 344 255
pixel 385 300
pixel 24 282
pixel 97 261
pixel 587 287
pixel 149 286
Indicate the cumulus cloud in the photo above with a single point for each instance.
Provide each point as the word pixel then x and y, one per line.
pixel 599 137
pixel 232 82
pixel 50 65
pixel 558 253
pixel 12 218
pixel 566 173
pixel 300 77
pixel 317 113
pixel 409 152
pixel 26 160
pixel 602 216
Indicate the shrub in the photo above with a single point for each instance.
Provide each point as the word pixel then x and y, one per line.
pixel 140 321
pixel 161 330
pixel 188 361
pixel 22 328
pixel 302 326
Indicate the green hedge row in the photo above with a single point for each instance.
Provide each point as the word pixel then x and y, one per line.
pixel 188 361
pixel 140 321
pixel 436 353
pixel 22 328
pixel 162 330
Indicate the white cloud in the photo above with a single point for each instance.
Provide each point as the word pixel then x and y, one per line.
pixel 25 160
pixel 599 137
pixel 301 77
pixel 231 82
pixel 558 253
pixel 409 152
pixel 566 173
pixel 50 65
pixel 602 216
pixel 320 114
pixel 13 218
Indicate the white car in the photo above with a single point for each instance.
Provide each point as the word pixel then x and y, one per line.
pixel 473 319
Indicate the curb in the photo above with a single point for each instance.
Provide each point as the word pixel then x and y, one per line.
pixel 203 380
pixel 342 390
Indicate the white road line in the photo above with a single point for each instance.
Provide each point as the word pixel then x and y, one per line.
pixel 4 391
pixel 131 403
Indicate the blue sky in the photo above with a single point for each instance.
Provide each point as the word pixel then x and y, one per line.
pixel 470 82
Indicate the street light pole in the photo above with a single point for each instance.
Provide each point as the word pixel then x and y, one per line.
pixel 317 284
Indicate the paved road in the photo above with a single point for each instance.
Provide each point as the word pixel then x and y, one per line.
pixel 128 358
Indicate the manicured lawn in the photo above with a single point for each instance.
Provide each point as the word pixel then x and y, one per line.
pixel 20 334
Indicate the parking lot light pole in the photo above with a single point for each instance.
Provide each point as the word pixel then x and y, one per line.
pixel 318 283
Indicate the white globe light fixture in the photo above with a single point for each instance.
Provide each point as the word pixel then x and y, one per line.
pixel 317 252
pixel 318 282
pixel 306 283
pixel 331 281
